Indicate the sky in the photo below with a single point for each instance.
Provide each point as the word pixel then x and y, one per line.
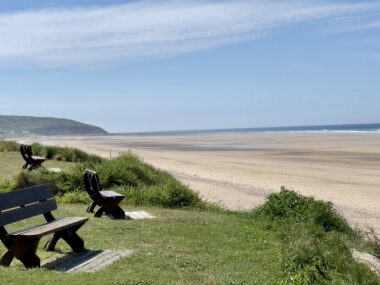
pixel 135 66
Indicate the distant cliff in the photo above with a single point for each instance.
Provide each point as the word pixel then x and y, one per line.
pixel 45 126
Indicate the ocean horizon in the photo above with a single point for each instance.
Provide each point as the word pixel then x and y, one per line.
pixel 373 128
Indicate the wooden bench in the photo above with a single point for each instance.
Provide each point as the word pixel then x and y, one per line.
pixel 108 201
pixel 31 161
pixel 25 203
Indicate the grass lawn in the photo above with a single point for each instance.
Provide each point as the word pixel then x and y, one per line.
pixel 178 247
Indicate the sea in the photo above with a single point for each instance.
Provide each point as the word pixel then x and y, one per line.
pixel 344 128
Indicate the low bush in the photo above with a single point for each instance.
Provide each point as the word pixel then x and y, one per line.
pixel 129 170
pixel 316 241
pixel 9 146
pixel 311 257
pixel 29 178
pixel 142 184
pixel 53 152
pixel 6 185
pixel 290 205
pixel 171 194
pixel 65 153
pixel 372 241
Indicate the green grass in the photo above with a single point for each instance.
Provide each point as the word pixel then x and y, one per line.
pixel 201 247
pixel 11 164
pixel 65 153
pixel 178 247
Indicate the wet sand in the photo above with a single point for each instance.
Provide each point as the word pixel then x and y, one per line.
pixel 239 170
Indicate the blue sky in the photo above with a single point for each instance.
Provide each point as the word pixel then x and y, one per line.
pixel 174 65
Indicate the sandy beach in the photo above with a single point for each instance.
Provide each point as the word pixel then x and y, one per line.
pixel 239 170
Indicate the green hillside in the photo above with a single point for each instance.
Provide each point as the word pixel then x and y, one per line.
pixel 45 126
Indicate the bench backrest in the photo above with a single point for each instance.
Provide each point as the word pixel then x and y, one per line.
pixel 92 184
pixel 25 203
pixel 26 152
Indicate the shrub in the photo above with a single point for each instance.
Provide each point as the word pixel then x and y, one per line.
pixel 142 183
pixel 316 241
pixel 372 241
pixel 53 152
pixel 70 180
pixel 38 149
pixel 9 146
pixel 129 170
pixel 76 197
pixel 28 178
pixel 169 195
pixel 290 205
pixel 6 185
pixel 321 258
pixel 65 153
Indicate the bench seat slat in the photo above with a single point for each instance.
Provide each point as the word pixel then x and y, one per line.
pixel 29 211
pixel 38 157
pixel 110 194
pixel 51 227
pixel 25 196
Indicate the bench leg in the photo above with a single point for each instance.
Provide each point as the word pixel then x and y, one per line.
pixel 91 207
pixel 34 166
pixel 24 250
pixel 52 242
pixel 112 208
pixel 68 235
pixel 99 212
pixel 6 259
pixel 30 260
pixel 118 213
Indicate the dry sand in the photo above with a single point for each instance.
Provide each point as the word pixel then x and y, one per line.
pixel 240 170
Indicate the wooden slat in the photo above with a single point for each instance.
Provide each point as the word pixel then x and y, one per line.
pixel 110 194
pixel 38 157
pixel 25 196
pixel 51 227
pixel 28 211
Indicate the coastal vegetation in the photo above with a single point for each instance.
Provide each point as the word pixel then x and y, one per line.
pixel 13 125
pixel 142 184
pixel 290 239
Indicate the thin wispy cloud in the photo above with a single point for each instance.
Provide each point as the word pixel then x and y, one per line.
pixel 353 24
pixel 150 29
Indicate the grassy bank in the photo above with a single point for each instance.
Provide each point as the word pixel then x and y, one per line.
pixel 142 184
pixel 291 239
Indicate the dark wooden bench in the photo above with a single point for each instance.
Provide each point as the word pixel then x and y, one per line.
pixel 108 201
pixel 31 161
pixel 25 203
